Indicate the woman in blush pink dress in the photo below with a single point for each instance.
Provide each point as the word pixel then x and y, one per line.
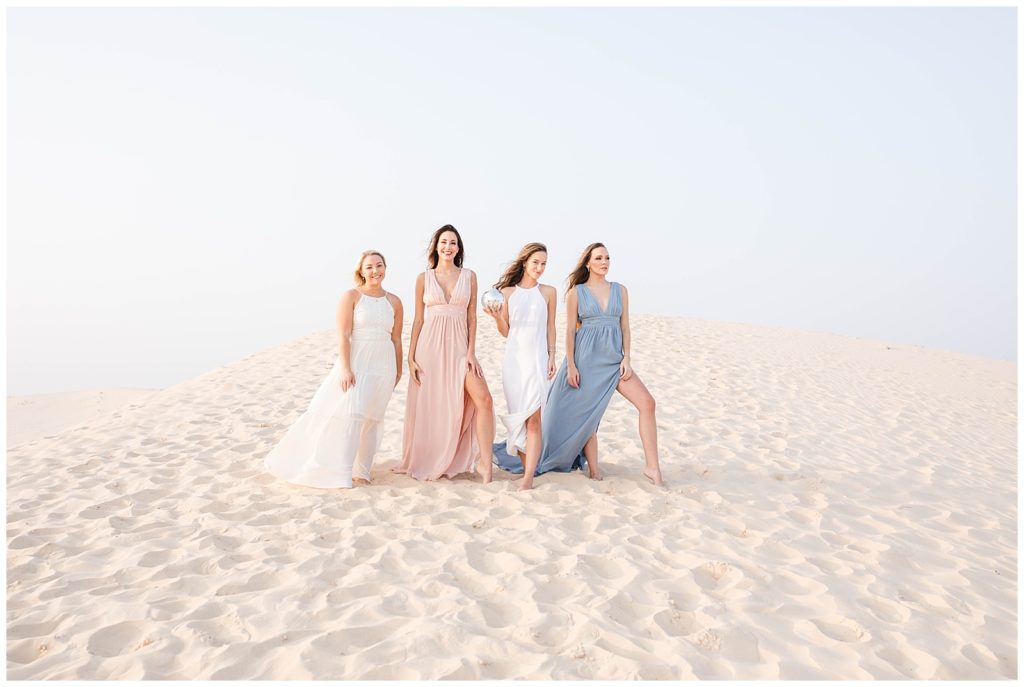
pixel 449 413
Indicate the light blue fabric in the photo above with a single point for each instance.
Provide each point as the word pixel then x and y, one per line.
pixel 571 415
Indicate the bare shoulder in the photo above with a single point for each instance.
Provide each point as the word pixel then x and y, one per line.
pixel 549 291
pixel 508 291
pixel 472 274
pixel 420 277
pixel 349 297
pixel 622 287
pixel 394 300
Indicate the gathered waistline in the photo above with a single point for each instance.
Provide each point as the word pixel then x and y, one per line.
pixel 600 321
pixel 386 338
pixel 448 309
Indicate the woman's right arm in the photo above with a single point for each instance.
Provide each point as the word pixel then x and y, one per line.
pixel 571 313
pixel 417 325
pixel 343 320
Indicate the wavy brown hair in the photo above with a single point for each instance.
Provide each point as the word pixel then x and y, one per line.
pixel 517 268
pixel 359 265
pixel 432 248
pixel 581 272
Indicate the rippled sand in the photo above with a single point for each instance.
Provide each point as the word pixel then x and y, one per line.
pixel 836 508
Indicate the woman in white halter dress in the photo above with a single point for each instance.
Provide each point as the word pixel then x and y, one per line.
pixel 340 432
pixel 527 319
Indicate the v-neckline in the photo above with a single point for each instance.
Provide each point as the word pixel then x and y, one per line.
pixel 604 310
pixel 448 300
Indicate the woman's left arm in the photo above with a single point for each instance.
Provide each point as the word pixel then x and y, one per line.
pixel 396 335
pixel 552 298
pixel 474 364
pixel 625 369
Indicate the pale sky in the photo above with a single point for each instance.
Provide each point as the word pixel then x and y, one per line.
pixel 187 186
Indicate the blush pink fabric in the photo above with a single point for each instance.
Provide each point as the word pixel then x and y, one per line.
pixel 439 437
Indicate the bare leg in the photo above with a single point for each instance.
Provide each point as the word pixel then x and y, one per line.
pixel 637 394
pixel 481 397
pixel 533 441
pixel 590 453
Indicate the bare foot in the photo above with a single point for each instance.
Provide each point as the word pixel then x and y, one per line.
pixel 595 474
pixel 485 470
pixel 360 481
pixel 527 485
pixel 654 477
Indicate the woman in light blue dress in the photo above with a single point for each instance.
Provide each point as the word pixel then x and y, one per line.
pixel 597 363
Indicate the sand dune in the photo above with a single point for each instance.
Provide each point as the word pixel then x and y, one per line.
pixel 835 508
pixel 46 415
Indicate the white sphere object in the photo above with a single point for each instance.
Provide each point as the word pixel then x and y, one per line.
pixel 492 299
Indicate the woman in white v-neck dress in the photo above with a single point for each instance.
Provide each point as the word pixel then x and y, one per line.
pixel 335 440
pixel 527 319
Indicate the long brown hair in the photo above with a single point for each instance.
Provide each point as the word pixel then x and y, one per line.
pixel 581 273
pixel 432 248
pixel 517 268
pixel 359 265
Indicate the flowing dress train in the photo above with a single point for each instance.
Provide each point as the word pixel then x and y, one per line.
pixel 571 416
pixel 339 433
pixel 524 374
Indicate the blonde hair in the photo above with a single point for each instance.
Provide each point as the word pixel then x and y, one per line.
pixel 359 265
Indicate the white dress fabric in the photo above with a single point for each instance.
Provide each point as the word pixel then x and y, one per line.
pixel 524 374
pixel 340 432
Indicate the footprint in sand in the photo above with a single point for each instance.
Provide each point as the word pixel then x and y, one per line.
pixel 27 651
pixel 401 604
pixel 842 629
pixel 805 516
pixel 25 542
pixel 913 663
pixel 676 623
pixel 120 638
pixel 886 611
pixel 352 639
pixel 986 658
pixel 741 646
pixel 708 640
pixel 216 632
pixel 151 559
pixel 494 615
pixel 715 575
pixel 205 611
pixel 29 630
pixel 226 542
pixel 257 583
pixel 796 585
pixel 558 590
pixel 553 631
pixel 604 567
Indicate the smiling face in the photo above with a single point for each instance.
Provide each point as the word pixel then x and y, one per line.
pixel 599 261
pixel 536 264
pixel 447 247
pixel 372 270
